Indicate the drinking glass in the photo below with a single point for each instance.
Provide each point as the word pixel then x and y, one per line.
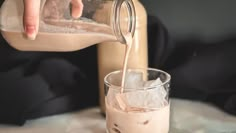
pixel 143 106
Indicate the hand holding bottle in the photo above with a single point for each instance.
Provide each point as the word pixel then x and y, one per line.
pixel 32 13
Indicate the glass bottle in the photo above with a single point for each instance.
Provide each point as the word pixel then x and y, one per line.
pixel 111 54
pixel 59 31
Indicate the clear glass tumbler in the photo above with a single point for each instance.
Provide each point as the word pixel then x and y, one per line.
pixel 143 106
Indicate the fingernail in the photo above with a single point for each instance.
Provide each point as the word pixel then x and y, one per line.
pixel 30 32
pixel 76 15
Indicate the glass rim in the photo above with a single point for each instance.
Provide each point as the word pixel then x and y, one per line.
pixel 136 69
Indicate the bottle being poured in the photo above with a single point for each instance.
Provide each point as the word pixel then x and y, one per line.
pixel 59 29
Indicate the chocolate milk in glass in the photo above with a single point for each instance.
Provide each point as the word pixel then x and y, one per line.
pixel 138 122
pixel 111 54
pixel 143 106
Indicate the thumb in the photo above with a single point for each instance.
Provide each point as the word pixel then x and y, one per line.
pixel 31 18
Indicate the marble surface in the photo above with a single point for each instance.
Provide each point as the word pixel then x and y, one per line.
pixel 186 117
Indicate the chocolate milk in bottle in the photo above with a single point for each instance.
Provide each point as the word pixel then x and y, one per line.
pixel 60 32
pixel 111 54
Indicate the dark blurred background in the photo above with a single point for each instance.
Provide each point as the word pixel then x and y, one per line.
pixel 202 61
pixel 208 20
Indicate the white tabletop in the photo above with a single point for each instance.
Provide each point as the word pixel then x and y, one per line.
pixel 186 117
